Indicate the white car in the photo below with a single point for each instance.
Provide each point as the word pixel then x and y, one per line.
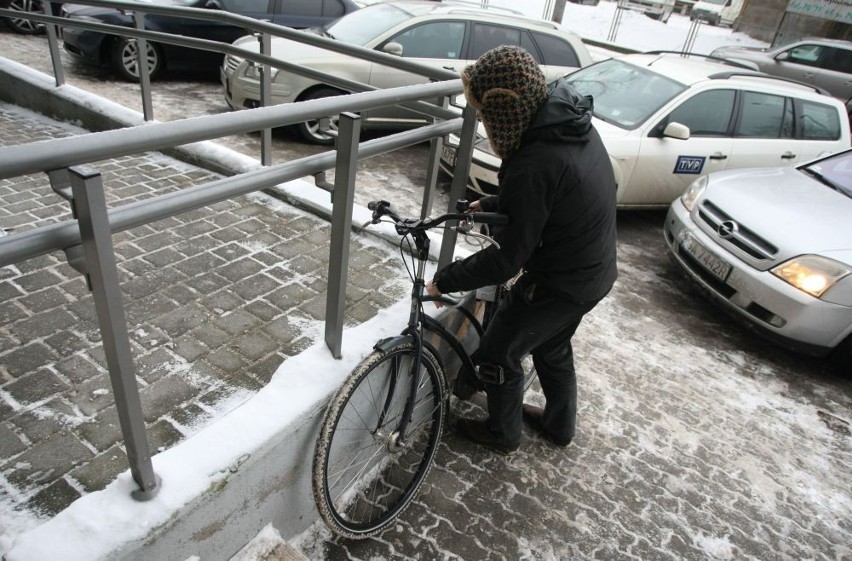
pixel 666 119
pixel 441 34
pixel 773 246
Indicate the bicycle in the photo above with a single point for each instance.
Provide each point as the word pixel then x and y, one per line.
pixel 381 429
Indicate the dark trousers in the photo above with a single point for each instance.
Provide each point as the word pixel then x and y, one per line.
pixel 533 319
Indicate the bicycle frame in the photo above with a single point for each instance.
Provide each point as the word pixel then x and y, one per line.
pixel 417 318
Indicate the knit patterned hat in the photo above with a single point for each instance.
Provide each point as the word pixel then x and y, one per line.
pixel 507 88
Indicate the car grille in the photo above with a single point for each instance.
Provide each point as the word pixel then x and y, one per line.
pixel 738 236
pixel 231 63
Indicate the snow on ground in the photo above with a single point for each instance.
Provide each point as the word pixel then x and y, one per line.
pixel 97 520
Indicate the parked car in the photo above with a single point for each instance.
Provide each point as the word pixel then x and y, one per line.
pixel 443 35
pixel 654 9
pixel 23 25
pixel 717 12
pixel 826 63
pixel 120 53
pixel 773 246
pixel 666 119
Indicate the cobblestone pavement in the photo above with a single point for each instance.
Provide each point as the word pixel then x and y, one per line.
pixel 215 299
pixel 696 439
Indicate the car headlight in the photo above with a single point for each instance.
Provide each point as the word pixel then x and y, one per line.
pixel 693 192
pixel 253 72
pixel 813 274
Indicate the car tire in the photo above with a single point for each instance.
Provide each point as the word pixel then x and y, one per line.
pixel 309 130
pixel 25 26
pixel 125 63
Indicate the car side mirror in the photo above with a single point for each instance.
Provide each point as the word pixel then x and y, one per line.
pixel 393 48
pixel 213 5
pixel 676 130
pixel 781 57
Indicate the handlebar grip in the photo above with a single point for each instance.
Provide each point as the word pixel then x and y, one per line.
pixel 494 218
pixel 373 205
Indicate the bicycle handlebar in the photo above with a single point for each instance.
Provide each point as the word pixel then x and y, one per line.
pixel 383 208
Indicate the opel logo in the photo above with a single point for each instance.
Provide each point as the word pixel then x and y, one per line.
pixel 728 228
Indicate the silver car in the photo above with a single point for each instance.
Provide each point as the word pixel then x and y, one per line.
pixel 447 35
pixel 774 247
pixel 826 63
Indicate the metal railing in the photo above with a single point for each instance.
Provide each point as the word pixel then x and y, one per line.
pixel 86 238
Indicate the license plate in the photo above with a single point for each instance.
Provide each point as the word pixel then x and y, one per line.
pixel 448 155
pixel 716 266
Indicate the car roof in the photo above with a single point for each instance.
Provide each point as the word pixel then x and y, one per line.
pixel 506 16
pixel 692 69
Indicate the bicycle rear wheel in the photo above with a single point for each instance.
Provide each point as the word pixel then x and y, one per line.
pixel 363 474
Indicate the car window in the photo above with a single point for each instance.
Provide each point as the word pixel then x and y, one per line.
pixel 555 51
pixel 765 116
pixel 706 114
pixel 804 54
pixel 301 8
pixel 624 95
pixel 818 121
pixel 838 60
pixel 438 39
pixel 485 37
pixel 835 171
pixel 246 6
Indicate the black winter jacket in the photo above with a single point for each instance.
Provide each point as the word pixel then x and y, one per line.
pixel 558 190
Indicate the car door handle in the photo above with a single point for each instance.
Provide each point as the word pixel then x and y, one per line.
pixel 787 156
pixel 718 156
pixel 450 68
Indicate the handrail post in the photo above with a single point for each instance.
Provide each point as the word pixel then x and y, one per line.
pixel 459 184
pixel 265 98
pixel 53 46
pixel 343 201
pixel 432 169
pixel 142 60
pixel 89 204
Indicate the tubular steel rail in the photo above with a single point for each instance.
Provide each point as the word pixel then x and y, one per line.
pixel 87 238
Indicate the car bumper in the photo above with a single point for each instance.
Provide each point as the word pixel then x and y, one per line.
pixel 758 298
pixel 83 45
pixel 483 175
pixel 244 93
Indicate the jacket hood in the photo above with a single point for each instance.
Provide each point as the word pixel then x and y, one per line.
pixel 566 115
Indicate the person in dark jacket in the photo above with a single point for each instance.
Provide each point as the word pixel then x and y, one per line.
pixel 556 184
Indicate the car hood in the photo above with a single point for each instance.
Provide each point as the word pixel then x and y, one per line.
pixel 287 50
pixel 607 130
pixel 788 208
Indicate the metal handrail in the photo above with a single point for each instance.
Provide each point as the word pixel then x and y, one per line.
pixel 86 239
pixel 64 152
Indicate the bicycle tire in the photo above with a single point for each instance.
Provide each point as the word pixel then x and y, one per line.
pixel 356 437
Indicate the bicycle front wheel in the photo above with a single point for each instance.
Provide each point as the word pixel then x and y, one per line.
pixel 364 473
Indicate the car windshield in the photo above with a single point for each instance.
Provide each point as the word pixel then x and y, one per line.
pixel 361 26
pixel 625 95
pixel 835 171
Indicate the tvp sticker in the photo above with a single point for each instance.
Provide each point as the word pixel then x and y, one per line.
pixel 690 165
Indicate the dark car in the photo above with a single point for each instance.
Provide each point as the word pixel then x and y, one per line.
pixel 22 24
pixel 120 53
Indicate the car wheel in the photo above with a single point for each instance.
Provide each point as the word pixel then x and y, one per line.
pixel 25 26
pixel 310 130
pixel 123 58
